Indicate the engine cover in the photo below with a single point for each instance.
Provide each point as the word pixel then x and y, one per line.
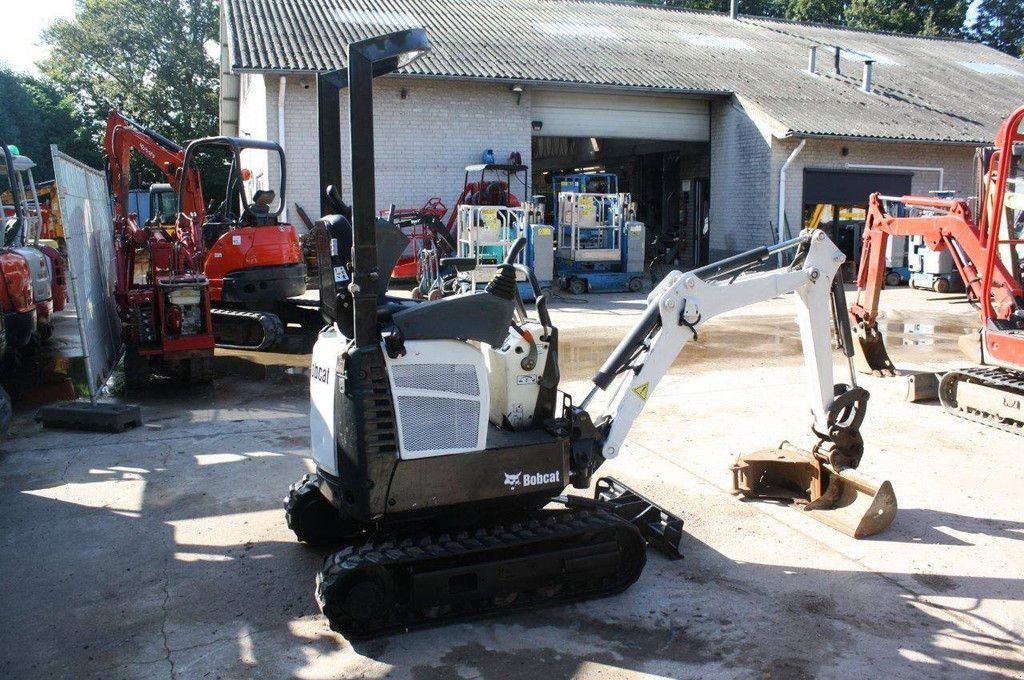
pixel 441 398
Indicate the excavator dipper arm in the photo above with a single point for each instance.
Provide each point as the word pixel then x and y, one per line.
pixel 950 227
pixel 676 311
pixel 684 302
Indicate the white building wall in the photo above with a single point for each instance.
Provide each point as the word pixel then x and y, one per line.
pixel 423 142
pixel 827 154
pixel 747 155
pixel 740 190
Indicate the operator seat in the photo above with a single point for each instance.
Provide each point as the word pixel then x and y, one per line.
pixel 484 316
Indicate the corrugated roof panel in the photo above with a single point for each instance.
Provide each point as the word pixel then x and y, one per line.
pixel 923 88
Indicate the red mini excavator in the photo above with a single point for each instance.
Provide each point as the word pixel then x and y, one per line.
pixel 252 261
pixel 988 253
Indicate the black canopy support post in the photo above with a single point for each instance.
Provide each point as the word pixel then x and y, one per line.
pixel 328 92
pixel 364 197
pixel 368 59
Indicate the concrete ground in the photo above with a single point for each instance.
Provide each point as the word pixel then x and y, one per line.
pixel 163 553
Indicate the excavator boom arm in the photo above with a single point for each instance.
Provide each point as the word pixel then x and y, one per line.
pixel 683 302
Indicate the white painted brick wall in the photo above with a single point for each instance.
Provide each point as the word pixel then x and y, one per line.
pixel 423 142
pixel 740 156
pixel 745 164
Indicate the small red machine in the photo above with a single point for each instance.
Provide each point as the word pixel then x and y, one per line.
pixel 988 253
pixel 251 260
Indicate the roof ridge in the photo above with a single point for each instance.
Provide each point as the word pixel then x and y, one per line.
pixel 651 4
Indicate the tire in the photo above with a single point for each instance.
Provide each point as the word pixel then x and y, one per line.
pixel 417 294
pixel 435 294
pixel 635 284
pixel 892 279
pixel 940 285
pixel 577 286
pixel 312 517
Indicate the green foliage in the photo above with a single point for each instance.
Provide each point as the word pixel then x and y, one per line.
pixel 1000 24
pixel 923 17
pixel 762 8
pixel 145 58
pixel 34 115
pixel 820 11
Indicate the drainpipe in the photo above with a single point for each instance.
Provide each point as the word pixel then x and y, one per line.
pixel 282 87
pixel 916 168
pixel 782 193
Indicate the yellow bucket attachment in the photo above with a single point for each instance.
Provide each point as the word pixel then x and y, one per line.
pixel 843 499
pixel 869 353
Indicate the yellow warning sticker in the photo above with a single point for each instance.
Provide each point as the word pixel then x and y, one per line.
pixel 642 390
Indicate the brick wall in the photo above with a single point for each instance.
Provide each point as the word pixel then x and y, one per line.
pixel 747 155
pixel 423 142
pixel 824 154
pixel 740 187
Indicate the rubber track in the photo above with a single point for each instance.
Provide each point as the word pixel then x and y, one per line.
pixel 550 530
pixel 273 328
pixel 992 376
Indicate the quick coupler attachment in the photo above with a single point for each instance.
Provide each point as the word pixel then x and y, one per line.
pixel 842 498
pixel 662 530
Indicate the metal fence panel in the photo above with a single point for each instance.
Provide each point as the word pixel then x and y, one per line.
pixel 89 233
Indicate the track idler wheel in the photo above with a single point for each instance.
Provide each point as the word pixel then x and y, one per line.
pixel 312 517
pixel 353 600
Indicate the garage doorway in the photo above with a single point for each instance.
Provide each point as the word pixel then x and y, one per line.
pixel 836 201
pixel 656 145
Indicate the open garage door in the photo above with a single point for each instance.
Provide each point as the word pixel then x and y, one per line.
pixel 619 116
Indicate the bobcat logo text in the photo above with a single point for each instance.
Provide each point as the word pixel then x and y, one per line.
pixel 518 479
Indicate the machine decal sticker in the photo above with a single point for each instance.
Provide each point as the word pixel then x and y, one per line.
pixel 320 373
pixel 642 391
pixel 518 479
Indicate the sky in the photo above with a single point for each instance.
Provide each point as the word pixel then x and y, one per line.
pixel 23 23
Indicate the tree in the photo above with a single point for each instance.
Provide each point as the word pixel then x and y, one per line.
pixel 921 17
pixel 820 11
pixel 145 58
pixel 1000 24
pixel 762 8
pixel 34 115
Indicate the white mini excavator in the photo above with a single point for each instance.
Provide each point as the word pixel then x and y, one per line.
pixel 442 442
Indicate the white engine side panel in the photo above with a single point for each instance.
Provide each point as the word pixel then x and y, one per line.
pixel 323 384
pixel 441 398
pixel 514 390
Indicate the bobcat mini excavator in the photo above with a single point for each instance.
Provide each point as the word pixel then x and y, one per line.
pixel 442 443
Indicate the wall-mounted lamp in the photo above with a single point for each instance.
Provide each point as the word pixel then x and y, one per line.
pixel 403 93
pixel 594 145
pixel 537 125
pixel 518 89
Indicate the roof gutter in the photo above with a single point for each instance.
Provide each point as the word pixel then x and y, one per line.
pixel 561 84
pixel 866 138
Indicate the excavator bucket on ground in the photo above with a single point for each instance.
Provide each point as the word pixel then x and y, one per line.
pixel 844 499
pixel 869 353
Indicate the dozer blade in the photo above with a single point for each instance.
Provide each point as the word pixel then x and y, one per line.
pixel 869 353
pixel 844 499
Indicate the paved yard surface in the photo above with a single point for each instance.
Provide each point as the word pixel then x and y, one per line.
pixel 162 552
